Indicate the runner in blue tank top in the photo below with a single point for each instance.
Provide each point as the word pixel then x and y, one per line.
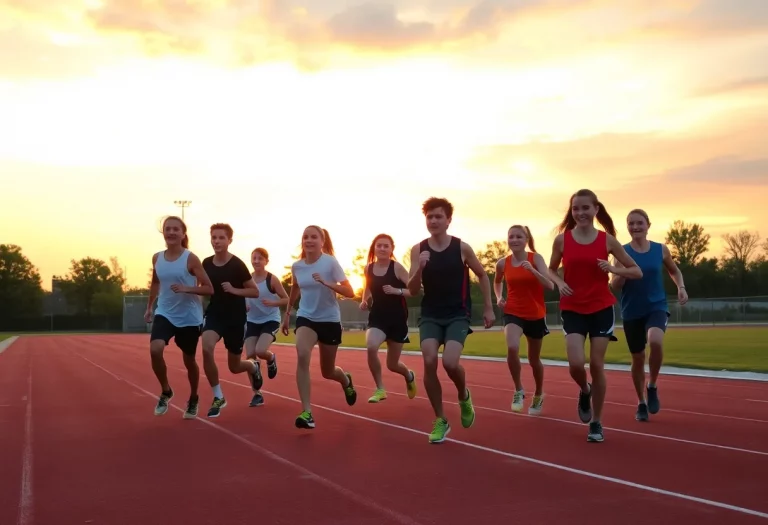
pixel 644 308
pixel 178 279
pixel 263 318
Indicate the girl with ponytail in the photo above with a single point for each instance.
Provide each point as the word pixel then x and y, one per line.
pixel 318 277
pixel 586 302
pixel 526 275
pixel 178 279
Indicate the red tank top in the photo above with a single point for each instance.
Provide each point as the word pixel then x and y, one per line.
pixel 581 272
pixel 525 294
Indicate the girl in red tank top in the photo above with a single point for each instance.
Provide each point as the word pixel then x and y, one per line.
pixel 586 302
pixel 526 275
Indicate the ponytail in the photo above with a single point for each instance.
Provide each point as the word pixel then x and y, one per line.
pixel 528 235
pixel 185 241
pixel 530 239
pixel 602 216
pixel 605 219
pixel 327 243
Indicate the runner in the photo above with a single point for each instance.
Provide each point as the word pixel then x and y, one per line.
pixel 525 313
pixel 178 279
pixel 263 317
pixel 440 263
pixel 385 280
pixel 318 277
pixel 225 316
pixel 586 302
pixel 644 309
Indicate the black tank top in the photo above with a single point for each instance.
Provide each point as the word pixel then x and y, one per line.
pixel 446 282
pixel 386 307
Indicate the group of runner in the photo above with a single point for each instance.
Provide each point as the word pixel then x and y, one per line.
pixel 244 309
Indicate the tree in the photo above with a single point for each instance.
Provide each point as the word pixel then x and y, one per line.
pixel 688 242
pixel 87 283
pixel 20 284
pixel 741 246
pixel 358 266
pixel 490 256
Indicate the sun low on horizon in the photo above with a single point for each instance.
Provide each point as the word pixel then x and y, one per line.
pixel 273 116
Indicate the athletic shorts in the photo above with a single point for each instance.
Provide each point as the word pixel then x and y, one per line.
pixel 328 332
pixel 444 330
pixel 636 330
pixel 397 332
pixel 535 329
pixel 233 333
pixel 596 324
pixel 185 337
pixel 258 329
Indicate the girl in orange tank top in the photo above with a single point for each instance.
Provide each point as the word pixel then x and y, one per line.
pixel 526 276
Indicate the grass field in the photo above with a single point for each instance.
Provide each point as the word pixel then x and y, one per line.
pixel 724 348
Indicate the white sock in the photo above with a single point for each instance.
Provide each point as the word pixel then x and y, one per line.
pixel 217 391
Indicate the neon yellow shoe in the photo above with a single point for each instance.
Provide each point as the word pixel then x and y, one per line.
pixel 410 386
pixel 536 405
pixel 379 395
pixel 467 411
pixel 517 401
pixel 440 429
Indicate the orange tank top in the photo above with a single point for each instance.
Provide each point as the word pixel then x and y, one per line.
pixel 525 294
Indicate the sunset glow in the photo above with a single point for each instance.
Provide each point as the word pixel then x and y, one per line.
pixel 287 114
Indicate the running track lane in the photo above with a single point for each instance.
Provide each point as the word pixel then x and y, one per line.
pixel 328 394
pixel 15 502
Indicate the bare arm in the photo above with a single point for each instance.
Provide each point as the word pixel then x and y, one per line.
pixel 342 288
pixel 249 289
pixel 414 278
pixel 366 296
pixel 277 286
pixel 293 296
pixel 675 274
pixel 628 267
pixel 541 272
pixel 402 274
pixel 498 280
pixel 154 288
pixel 554 263
pixel 204 287
pixel 617 281
pixel 473 262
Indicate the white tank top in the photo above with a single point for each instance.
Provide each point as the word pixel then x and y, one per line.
pixel 180 309
pixel 259 312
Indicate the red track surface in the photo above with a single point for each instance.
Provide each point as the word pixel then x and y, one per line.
pixel 94 452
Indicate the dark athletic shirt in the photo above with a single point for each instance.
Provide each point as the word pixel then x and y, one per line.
pixel 386 308
pixel 446 282
pixel 223 305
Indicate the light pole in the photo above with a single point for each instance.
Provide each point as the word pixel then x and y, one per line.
pixel 182 205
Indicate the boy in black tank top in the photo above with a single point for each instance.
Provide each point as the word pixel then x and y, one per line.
pixel 385 281
pixel 225 314
pixel 441 264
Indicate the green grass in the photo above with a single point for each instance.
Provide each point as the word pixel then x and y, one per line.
pixel 717 348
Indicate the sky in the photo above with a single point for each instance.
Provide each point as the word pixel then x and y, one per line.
pixel 272 115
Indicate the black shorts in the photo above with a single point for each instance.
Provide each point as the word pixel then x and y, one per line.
pixel 535 329
pixel 636 330
pixel 397 332
pixel 328 333
pixel 185 337
pixel 597 324
pixel 258 329
pixel 233 333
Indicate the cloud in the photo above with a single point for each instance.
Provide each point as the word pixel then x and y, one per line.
pixel 731 170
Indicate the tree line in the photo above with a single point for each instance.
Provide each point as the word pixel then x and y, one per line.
pixel 94 287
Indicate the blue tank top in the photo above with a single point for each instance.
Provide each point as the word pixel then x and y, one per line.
pixel 181 309
pixel 258 312
pixel 640 297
